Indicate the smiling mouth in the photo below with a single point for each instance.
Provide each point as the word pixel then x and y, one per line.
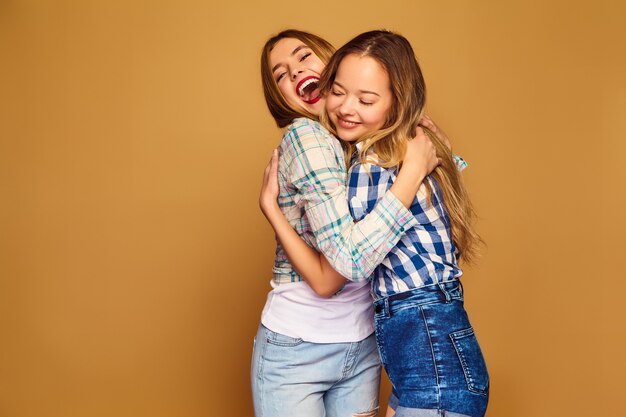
pixel 308 89
pixel 346 124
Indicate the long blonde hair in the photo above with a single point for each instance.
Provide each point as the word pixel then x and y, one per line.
pixel 279 108
pixel 395 54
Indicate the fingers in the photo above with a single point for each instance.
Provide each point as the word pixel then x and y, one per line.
pixel 419 133
pixel 428 123
pixel 271 170
pixel 433 161
pixel 273 162
pixel 270 187
pixel 273 166
pixel 273 156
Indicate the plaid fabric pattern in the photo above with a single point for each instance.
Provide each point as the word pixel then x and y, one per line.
pixel 425 254
pixel 313 196
pixel 460 162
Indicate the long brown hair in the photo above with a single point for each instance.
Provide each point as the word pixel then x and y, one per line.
pixel 395 54
pixel 276 103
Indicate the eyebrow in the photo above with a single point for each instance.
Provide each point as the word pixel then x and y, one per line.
pixel 295 51
pixel 360 91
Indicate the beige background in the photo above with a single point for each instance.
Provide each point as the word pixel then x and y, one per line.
pixel 134 261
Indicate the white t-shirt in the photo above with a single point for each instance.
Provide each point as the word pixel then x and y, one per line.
pixel 295 310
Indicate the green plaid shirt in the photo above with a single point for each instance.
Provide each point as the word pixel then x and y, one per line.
pixel 313 196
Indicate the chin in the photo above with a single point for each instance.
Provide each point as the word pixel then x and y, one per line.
pixel 314 109
pixel 317 108
pixel 349 136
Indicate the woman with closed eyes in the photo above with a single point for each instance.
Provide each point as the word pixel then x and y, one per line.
pixel 315 352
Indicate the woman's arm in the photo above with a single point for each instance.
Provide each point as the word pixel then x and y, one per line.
pixel 306 261
pixel 420 159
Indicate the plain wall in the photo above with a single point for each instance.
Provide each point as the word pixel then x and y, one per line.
pixel 134 261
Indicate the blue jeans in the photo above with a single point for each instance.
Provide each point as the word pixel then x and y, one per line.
pixel 291 377
pixel 431 354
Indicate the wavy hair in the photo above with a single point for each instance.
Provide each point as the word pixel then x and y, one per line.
pixel 395 54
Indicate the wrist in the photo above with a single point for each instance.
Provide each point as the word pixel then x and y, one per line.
pixel 269 207
pixel 412 173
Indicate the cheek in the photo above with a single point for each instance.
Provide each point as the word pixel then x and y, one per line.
pixel 286 92
pixel 375 118
pixel 290 96
pixel 379 116
pixel 318 66
pixel 331 103
pixel 382 117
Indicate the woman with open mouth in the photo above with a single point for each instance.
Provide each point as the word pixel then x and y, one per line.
pixel 315 352
pixel 375 95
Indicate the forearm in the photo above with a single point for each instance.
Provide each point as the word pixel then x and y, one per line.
pixel 356 249
pixel 315 169
pixel 406 185
pixel 306 261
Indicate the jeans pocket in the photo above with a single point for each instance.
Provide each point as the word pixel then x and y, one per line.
pixel 472 360
pixel 278 339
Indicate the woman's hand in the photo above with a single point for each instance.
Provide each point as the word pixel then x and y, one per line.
pixel 428 123
pixel 420 157
pixel 269 190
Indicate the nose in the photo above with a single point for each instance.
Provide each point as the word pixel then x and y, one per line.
pixel 295 73
pixel 346 108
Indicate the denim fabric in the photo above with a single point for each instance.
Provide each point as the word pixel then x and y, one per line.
pixel 431 354
pixel 291 377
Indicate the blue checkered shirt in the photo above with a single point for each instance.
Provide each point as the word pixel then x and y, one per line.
pixel 424 255
pixel 312 178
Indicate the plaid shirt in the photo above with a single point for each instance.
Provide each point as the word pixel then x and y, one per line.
pixel 312 178
pixel 425 254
